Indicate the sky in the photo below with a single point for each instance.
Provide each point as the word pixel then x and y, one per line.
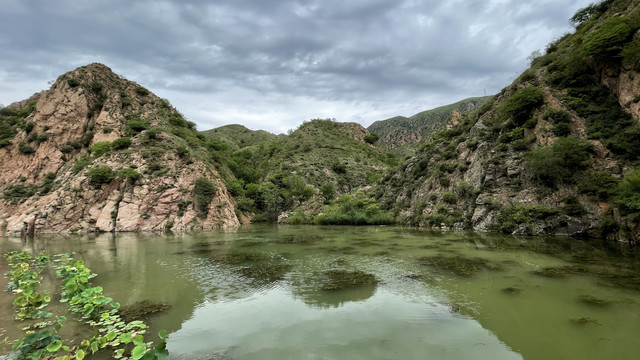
pixel 272 64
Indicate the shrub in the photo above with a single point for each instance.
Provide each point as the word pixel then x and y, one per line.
pixel 129 174
pixel 557 116
pixel 18 193
pixel 66 148
pixel 121 143
pixel 573 207
pixel 560 161
pixel 371 138
pixel 520 105
pixel 100 148
pixel 631 54
pixel 339 168
pixel 73 82
pixel 178 120
pixel 142 91
pixel 25 148
pixel 628 192
pixel 182 151
pixel 561 129
pixel 328 191
pixel 135 125
pixel 449 198
pixel 152 134
pixel 508 220
pixel 513 135
pixel 596 183
pixel 204 190
pixel 607 41
pixel 100 175
pixel 80 163
pixel 126 101
pixel 96 86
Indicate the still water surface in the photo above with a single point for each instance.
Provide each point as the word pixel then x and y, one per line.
pixel 259 292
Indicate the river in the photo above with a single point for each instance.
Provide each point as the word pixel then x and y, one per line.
pixel 307 292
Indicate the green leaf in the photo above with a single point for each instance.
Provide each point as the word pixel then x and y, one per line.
pixel 112 335
pixel 54 346
pixel 138 352
pixel 162 334
pixel 80 354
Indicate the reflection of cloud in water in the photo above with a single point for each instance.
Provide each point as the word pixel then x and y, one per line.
pixel 274 325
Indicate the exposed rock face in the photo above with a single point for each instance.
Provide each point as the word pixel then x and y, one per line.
pixel 91 105
pixel 400 131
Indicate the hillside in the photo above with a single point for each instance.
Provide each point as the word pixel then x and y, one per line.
pixel 271 176
pixel 238 137
pixel 399 132
pixel 556 152
pixel 97 152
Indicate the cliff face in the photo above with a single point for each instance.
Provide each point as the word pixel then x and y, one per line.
pixel 553 153
pixel 100 153
pixel 400 131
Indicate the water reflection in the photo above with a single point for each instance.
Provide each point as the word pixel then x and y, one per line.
pixel 262 292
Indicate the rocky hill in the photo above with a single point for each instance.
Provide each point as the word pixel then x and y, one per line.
pixel 96 152
pixel 400 131
pixel 556 152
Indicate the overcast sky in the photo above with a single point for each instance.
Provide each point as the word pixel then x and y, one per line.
pixel 271 64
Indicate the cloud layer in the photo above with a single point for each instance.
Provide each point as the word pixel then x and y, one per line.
pixel 271 64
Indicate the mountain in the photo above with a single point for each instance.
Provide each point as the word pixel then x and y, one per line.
pixel 400 131
pixel 556 152
pixel 238 137
pixel 97 152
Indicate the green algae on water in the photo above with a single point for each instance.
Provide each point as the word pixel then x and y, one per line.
pixel 343 279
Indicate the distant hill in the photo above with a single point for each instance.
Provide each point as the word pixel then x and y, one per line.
pixel 239 137
pixel 400 131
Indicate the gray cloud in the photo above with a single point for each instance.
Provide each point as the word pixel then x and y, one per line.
pixel 273 64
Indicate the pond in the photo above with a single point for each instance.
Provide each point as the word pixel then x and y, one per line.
pixel 306 292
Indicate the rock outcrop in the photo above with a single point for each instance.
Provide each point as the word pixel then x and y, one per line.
pixel 89 119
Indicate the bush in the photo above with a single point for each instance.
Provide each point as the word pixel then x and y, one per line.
pixel 520 105
pixel 73 82
pixel 606 42
pixel 129 174
pixel 599 184
pixel 328 191
pixel 339 168
pixel 121 143
pixel 371 138
pixel 66 148
pixel 513 135
pixel 80 163
pixel 573 207
pixel 25 148
pixel 358 210
pixel 628 192
pixel 204 190
pixel 510 218
pixel 96 86
pixel 142 91
pixel 561 129
pixel 100 175
pixel 560 161
pixel 100 148
pixel 136 125
pixel 449 198
pixel 18 193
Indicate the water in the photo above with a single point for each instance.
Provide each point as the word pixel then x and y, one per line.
pixel 257 293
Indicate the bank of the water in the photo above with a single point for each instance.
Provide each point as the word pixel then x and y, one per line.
pixel 261 292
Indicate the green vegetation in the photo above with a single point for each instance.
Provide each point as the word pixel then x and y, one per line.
pixel 606 42
pixel 204 190
pixel 371 138
pixel 354 210
pixel 343 279
pixel 560 161
pixel 121 143
pixel 135 125
pixel 520 105
pixel 510 218
pixel 19 193
pixel 100 148
pixel 129 174
pixel 100 175
pixel 628 194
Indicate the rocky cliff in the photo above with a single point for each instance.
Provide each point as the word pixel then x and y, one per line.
pixel 553 153
pixel 400 131
pixel 96 152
